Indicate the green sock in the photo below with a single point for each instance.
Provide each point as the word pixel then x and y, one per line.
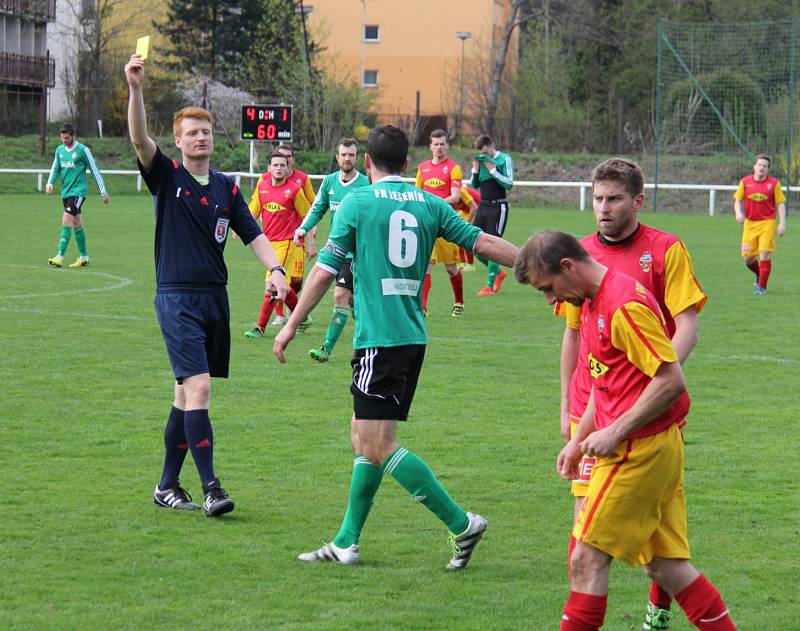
pixel 494 270
pixel 336 326
pixel 363 486
pixel 80 240
pixel 417 478
pixel 63 241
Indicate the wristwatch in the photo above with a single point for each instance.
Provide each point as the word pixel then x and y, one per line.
pixel 277 268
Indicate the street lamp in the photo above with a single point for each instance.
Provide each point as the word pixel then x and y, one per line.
pixel 463 36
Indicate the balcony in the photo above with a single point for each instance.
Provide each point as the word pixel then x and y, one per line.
pixel 27 70
pixel 44 10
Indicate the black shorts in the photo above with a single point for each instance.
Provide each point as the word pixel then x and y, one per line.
pixel 345 276
pixel 384 381
pixel 196 330
pixel 492 216
pixel 72 205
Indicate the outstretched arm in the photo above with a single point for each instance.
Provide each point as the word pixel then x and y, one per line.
pixel 496 249
pixel 137 117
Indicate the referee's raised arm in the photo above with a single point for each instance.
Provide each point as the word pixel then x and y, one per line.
pixel 137 117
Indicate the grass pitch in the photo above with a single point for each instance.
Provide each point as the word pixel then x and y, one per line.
pixel 87 388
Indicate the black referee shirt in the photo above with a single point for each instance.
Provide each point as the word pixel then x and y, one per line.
pixel 192 223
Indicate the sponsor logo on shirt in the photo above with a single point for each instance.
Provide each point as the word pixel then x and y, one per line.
pixel 221 231
pixel 596 368
pixel 757 197
pixel 400 286
pixel 434 182
pixel 646 262
pixel 273 207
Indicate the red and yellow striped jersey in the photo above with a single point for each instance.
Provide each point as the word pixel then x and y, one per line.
pixel 439 179
pixel 281 208
pixel 624 336
pixel 760 198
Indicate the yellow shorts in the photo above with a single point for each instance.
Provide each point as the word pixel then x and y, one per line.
pixel 758 236
pixel 290 258
pixel 580 487
pixel 444 252
pixel 297 267
pixel 635 508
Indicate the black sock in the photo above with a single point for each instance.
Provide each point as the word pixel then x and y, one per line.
pixel 175 448
pixel 200 437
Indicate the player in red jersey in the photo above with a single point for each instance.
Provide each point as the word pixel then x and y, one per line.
pixel 281 206
pixel 442 177
pixel 635 509
pixel 661 263
pixel 467 207
pixel 306 248
pixel 755 202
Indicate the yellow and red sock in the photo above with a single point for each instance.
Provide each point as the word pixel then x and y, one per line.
pixel 704 607
pixel 583 612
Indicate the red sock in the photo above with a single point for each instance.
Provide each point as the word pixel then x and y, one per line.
pixel 266 311
pixel 426 289
pixel 572 542
pixel 462 255
pixel 457 283
pixel 470 257
pixel 279 309
pixel 583 612
pixel 296 283
pixel 291 299
pixel 659 597
pixel 704 607
pixel 753 267
pixel 763 273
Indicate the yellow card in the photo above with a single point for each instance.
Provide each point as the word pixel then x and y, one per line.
pixel 142 44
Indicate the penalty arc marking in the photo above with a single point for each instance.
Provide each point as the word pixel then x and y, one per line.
pixel 119 283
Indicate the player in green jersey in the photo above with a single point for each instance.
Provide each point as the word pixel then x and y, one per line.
pixel 390 228
pixel 70 163
pixel 331 193
pixel 493 175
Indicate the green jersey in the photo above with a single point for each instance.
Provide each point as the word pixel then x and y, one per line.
pixel 494 177
pixel 71 164
pixel 330 195
pixel 391 227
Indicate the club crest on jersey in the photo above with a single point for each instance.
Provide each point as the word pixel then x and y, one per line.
pixel 74 155
pixel 221 231
pixel 601 323
pixel 646 262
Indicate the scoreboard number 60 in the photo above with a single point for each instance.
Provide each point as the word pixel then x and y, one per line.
pixel 267 122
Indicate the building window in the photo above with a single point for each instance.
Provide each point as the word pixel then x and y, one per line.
pixel 371 33
pixel 370 79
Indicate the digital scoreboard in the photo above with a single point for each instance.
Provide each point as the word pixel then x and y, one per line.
pixel 267 122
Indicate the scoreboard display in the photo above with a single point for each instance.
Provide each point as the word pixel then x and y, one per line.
pixel 267 122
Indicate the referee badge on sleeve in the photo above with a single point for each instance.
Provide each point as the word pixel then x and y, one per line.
pixel 221 231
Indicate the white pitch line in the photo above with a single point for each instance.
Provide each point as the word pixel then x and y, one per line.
pixel 121 282
pixel 83 315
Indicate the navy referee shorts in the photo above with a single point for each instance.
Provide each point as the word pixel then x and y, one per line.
pixel 196 330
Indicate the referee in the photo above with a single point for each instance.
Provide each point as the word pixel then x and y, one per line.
pixel 195 207
pixel 493 174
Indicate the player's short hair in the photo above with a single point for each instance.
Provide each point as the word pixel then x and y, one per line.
pixel 276 154
pixel 285 146
pixel 620 170
pixel 543 252
pixel 67 128
pixel 484 140
pixel 763 156
pixel 347 142
pixel 188 112
pixel 439 133
pixel 387 147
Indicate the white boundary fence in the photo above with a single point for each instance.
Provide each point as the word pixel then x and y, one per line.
pixel 584 187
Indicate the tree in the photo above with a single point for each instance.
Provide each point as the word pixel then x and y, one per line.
pixel 210 37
